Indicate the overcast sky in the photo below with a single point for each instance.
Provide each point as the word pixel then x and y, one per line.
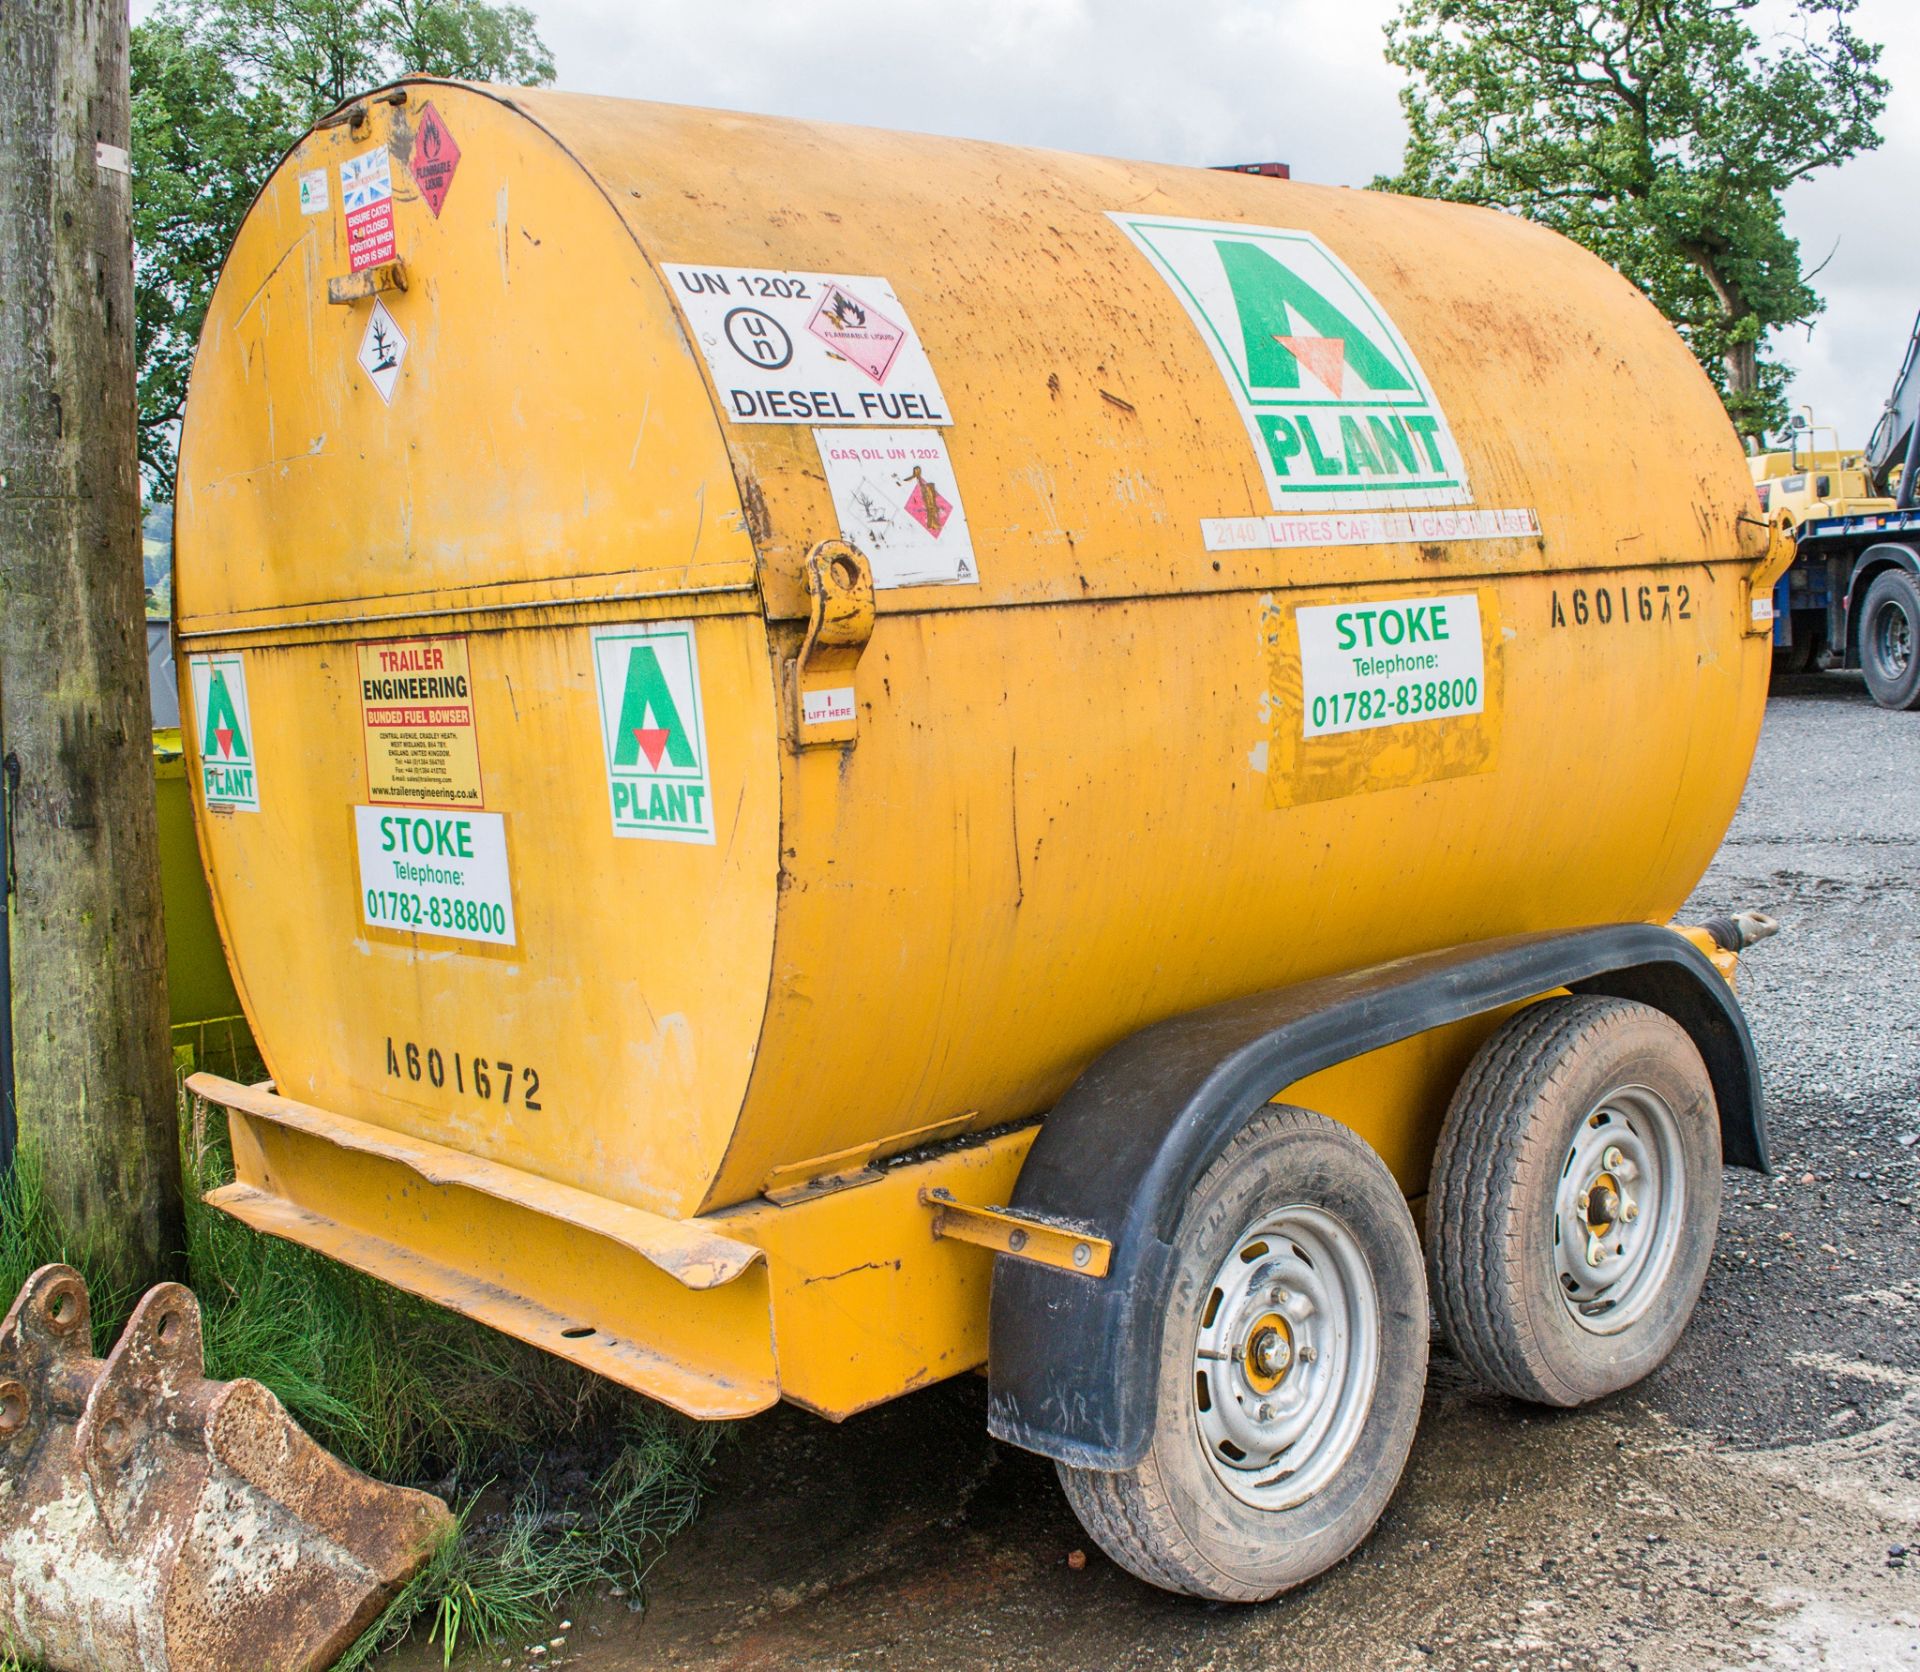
pixel 1213 81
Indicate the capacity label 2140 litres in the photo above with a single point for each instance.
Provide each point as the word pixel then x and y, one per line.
pixel 1389 663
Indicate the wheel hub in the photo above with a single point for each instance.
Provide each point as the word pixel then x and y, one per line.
pixel 1896 641
pixel 1286 1357
pixel 1618 1209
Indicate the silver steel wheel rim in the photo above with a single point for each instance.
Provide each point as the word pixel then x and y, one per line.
pixel 1619 1209
pixel 1895 640
pixel 1286 1357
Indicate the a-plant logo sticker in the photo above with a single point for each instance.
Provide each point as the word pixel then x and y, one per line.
pixel 653 729
pixel 1340 413
pixel 229 774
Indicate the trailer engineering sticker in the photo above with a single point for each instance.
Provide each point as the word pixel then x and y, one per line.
pixel 434 873
pixel 229 773
pixel 1339 412
pixel 807 348
pixel 416 714
pixel 896 498
pixel 653 731
pixel 1389 663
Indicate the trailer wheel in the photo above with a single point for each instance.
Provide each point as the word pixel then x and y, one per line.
pixel 1575 1199
pixel 1890 639
pixel 1290 1375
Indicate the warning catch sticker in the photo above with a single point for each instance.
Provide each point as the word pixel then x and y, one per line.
pixel 435 157
pixel 229 775
pixel 1339 411
pixel 653 729
pixel 896 498
pixel 1387 664
pixel 813 348
pixel 366 194
pixel 416 709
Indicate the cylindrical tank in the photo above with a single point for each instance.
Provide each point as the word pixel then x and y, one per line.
pixel 1270 579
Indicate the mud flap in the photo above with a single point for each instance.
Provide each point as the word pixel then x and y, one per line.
pixel 154 1521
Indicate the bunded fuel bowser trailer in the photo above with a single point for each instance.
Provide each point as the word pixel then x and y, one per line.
pixel 828 758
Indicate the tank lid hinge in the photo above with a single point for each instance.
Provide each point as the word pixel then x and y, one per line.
pixel 822 705
pixel 1018 1235
pixel 801 1181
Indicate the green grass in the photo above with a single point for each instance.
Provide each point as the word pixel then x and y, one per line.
pixel 417 1395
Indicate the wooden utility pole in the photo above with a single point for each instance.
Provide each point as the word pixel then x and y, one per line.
pixel 93 1071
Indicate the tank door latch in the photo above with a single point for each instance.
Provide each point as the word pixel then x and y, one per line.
pixel 820 683
pixel 370 281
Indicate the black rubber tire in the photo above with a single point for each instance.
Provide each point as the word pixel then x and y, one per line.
pixel 1892 590
pixel 1169 1520
pixel 1490 1207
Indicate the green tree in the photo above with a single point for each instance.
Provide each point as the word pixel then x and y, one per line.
pixel 221 89
pixel 1661 134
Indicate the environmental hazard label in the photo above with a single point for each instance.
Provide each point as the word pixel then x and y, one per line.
pixel 416 709
pixel 807 348
pixel 435 157
pixel 229 774
pixel 366 195
pixel 653 729
pixel 897 500
pixel 1340 414
pixel 383 348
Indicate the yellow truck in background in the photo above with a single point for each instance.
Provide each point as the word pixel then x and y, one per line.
pixel 1851 597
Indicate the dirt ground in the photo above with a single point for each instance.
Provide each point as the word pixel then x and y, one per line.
pixel 1750 1506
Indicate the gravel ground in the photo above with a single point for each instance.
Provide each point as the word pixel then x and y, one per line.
pixel 1747 1507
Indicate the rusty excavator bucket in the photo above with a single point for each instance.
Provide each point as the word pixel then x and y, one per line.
pixel 154 1521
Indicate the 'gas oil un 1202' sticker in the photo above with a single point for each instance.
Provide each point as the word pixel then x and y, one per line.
pixel 897 500
pixel 1340 414
pixel 653 728
pixel 807 348
pixel 229 771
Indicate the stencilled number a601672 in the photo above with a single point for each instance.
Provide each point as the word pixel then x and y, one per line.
pixel 467 1073
pixel 1623 603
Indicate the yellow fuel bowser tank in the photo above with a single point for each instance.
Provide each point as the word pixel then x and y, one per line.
pixel 731 665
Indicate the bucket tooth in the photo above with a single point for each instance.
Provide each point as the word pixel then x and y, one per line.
pixel 154 1521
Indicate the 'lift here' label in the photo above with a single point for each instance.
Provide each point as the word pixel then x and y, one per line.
pixel 807 348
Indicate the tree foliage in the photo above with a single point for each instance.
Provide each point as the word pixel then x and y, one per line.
pixel 1661 134
pixel 221 90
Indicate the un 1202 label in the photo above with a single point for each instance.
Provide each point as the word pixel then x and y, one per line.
pixel 1389 663
pixel 434 873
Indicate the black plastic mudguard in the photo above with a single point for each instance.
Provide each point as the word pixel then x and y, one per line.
pixel 1071 1357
